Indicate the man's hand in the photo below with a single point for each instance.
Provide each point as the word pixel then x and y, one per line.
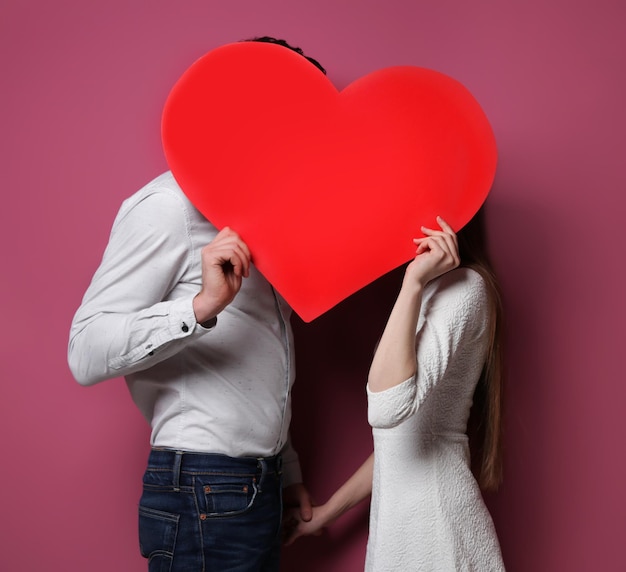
pixel 294 527
pixel 297 507
pixel 225 263
pixel 297 495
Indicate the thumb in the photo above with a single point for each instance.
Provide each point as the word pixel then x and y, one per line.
pixel 306 508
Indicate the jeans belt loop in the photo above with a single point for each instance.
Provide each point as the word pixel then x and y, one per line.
pixel 178 459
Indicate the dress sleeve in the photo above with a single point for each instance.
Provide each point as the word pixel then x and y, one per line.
pixel 125 322
pixel 389 407
pixel 453 316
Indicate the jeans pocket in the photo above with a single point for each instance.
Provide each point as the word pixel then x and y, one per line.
pixel 157 538
pixel 229 497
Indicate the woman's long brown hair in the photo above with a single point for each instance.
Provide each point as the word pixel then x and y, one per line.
pixel 485 424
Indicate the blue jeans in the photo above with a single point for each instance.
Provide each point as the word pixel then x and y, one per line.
pixel 210 513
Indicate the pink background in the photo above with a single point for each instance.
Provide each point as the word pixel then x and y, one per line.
pixel 83 87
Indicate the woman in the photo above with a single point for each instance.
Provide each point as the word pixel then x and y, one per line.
pixel 439 353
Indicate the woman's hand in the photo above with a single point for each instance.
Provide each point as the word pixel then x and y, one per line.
pixel 436 254
pixel 294 527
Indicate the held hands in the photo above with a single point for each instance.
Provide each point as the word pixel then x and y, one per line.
pixel 225 262
pixel 356 489
pixel 294 527
pixel 298 509
pixel 436 254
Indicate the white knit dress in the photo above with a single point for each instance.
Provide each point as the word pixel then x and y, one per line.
pixel 427 511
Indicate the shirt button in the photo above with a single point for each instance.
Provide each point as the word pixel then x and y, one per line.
pixel 184 327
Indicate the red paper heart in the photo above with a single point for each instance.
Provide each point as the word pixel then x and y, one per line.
pixel 327 188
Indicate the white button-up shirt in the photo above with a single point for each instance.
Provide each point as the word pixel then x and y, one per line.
pixel 221 390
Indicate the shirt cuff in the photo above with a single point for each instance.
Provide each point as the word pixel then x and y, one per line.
pixel 182 319
pixel 292 473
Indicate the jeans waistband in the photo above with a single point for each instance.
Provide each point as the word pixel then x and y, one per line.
pixel 190 462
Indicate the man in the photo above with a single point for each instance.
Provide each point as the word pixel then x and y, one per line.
pixel 206 348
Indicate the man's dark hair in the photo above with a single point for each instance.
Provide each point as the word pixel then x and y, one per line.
pixel 270 40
